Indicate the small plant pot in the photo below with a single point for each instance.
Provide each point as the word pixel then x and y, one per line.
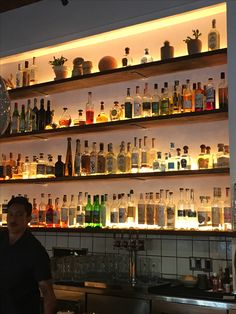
pixel 194 46
pixel 61 71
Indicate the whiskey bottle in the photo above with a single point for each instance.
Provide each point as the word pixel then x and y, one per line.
pixel 128 105
pixel 185 160
pixel 85 160
pixel 28 118
pixel 22 119
pixel 35 116
pixel 150 210
pixel 165 100
pixel 147 102
pixel 122 209
pixel 180 218
pixel 147 57
pixel 33 73
pixel 93 159
pixel 80 216
pixel 77 160
pixel 187 97
pixel 155 101
pixel 121 162
pixel 72 212
pixel 223 92
pixel 137 104
pixel 216 208
pixel 64 212
pixel 102 117
pixel 89 109
pixel 213 37
pixel 19 76
pixel 127 59
pixel 15 121
pixel 135 157
pixel 210 95
pixel 101 160
pixel 57 214
pixel 59 167
pixel 110 160
pixel 49 212
pixel 42 211
pixel 115 112
pixel 34 222
pixel 227 211
pixel 141 210
pixel 41 116
pixel 170 212
pixel 176 98
pixel 68 163
pixel 199 98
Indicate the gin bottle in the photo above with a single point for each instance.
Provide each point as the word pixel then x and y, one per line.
pixel 137 104
pixel 155 101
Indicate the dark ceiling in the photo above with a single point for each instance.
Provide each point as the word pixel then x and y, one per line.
pixel 6 5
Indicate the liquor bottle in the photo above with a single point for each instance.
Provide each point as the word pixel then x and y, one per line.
pixel 216 208
pixel 26 75
pixel 127 59
pixel 114 212
pixel 81 118
pixel 176 98
pixel 49 212
pixel 204 213
pixel 33 168
pixel 180 213
pixel 165 100
pixel 187 97
pixel 131 210
pixel 68 163
pixel 10 166
pixel 185 160
pixel 147 57
pixel 128 158
pixel 170 212
pixel 80 216
pixel 193 95
pixel 26 168
pixel 210 95
pixel 19 76
pixel 59 167
pixel 122 209
pixel 147 102
pixel 34 222
pixel 89 109
pixel 192 218
pixel 48 114
pixel 158 163
pixel 64 212
pixel 103 211
pixel 135 157
pixel 144 156
pixel 155 101
pixel 201 158
pixel 219 156
pixel 226 157
pixel 41 167
pixel 93 159
pixel 57 214
pixel 199 98
pixel 35 116
pixel 213 37
pixel 65 119
pixel 96 212
pixel 115 112
pixel 137 104
pixel 223 92
pixel 208 158
pixel 41 116
pixel 110 160
pixel 152 153
pixel 22 119
pixel 42 211
pixel 85 160
pixel 171 162
pixel 15 121
pixel 50 167
pixel 77 160
pixel 128 105
pixel 28 118
pixel 33 72
pixel 102 117
pixel 150 210
pixel 101 160
pixel 72 212
pixel 141 210
pixel 4 213
pixel 2 169
pixel 121 164
pixel 227 211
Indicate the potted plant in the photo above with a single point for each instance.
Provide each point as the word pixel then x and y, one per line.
pixel 194 45
pixel 61 71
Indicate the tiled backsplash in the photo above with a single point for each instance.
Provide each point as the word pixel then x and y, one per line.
pixel 169 255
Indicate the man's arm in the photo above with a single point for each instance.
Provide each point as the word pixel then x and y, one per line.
pixel 49 298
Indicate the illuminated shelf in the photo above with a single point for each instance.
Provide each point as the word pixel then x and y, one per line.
pixel 140 176
pixel 174 119
pixel 184 63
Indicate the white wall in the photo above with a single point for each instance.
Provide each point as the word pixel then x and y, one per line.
pixel 48 22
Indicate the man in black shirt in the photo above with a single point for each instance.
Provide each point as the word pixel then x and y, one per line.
pixel 24 265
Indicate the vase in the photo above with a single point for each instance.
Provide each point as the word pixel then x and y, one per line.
pixel 61 71
pixel 194 46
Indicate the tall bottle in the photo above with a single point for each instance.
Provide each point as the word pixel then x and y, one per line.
pixel 155 101
pixel 49 212
pixel 72 212
pixel 64 212
pixel 35 124
pixel 77 160
pixel 93 159
pixel 213 37
pixel 26 75
pixel 150 210
pixel 210 95
pixel 15 120
pixel 121 165
pixel 28 117
pixel 111 165
pixel 35 214
pixel 216 208
pixel 135 157
pixel 68 163
pixel 192 213
pixel 227 210
pixel 101 160
pixel 89 109
pixel 22 119
pixel 103 211
pixel 80 215
pixel 147 57
pixel 41 116
pixel 199 98
pixel 223 92
pixel 85 160
pixel 180 213
pixel 147 102
pixel 187 97
pixel 165 100
pixel 170 212
pixel 96 212
pixel 89 212
pixel 19 76
pixel 144 156
pixel 176 98
pixel 137 104
pixel 131 210
pixel 48 114
pixel 128 105
pixel 57 214
pixel 33 72
pixel 141 210
pixel 114 212
pixel 42 211
pixel 59 167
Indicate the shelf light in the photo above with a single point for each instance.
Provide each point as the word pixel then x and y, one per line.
pixel 120 33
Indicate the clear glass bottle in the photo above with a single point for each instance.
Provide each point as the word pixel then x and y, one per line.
pixel 155 101
pixel 101 160
pixel 137 104
pixel 64 212
pixel 65 119
pixel 114 212
pixel 145 156
pixel 185 160
pixel 77 160
pixel 216 209
pixel 171 161
pixel 180 212
pixel 26 75
pixel 187 97
pixel 102 117
pixel 33 168
pixel 203 213
pixel 89 110
pixel 128 158
pixel 147 57
pixel 213 37
pixel 158 163
pixel 68 163
pixel 147 102
pixel 176 98
pixel 122 207
pixel 26 168
pixel 33 73
pixel 135 157
pixel 72 212
pixel 93 159
pixel 152 153
pixel 42 211
pixel 227 211
pixel 80 217
pixel 210 95
pixel 223 92
pixel 15 120
pixel 81 118
pixel 199 98
pixel 170 212
pixel 121 162
pixel 141 210
pixel 50 167
pixel 187 208
pixel 201 158
pixel 131 210
pixel 127 59
pixel 85 160
pixel 165 100
pixel 57 213
pixel 192 213
pixel 41 166
pixel 110 160
pixel 22 119
pixel 150 210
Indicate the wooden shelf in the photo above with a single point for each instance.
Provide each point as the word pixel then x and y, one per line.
pixel 184 63
pixel 175 119
pixel 138 176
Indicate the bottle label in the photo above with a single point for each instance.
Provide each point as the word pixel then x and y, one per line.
pixel 192 213
pixel 141 213
pixel 164 106
pixel 131 211
pixel 144 159
pixel 96 217
pixel 155 108
pixel 41 169
pixel 64 215
pixel 199 100
pixel 212 41
pixel 49 217
pixel 101 164
pixel 56 217
pixel 215 211
pixel 187 104
pixel 134 160
pixel 121 163
pixel 122 215
pixel 114 217
pixel 110 164
pixel 171 165
pixel 128 110
pixel 150 214
pixel 42 216
pixel 146 106
pixel 161 216
pixel 71 216
pixel 210 94
pixel 227 215
pixel 202 217
pixel 181 212
pixel 50 169
pixel 80 219
pixel 137 109
pixel 88 216
pixel 93 164
pixel 34 218
pixel 183 163
pixel 170 216
pixel 156 165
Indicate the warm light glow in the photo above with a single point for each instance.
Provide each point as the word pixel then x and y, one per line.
pixel 120 33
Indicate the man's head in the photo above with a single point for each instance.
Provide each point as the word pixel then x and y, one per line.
pixel 18 214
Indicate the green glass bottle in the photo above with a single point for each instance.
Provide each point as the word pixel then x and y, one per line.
pixel 96 212
pixel 89 213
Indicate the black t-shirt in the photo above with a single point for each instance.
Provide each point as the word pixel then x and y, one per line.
pixel 22 266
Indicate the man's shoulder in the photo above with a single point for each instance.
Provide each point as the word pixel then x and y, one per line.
pixel 34 242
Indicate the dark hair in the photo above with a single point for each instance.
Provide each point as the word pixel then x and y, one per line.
pixel 20 200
